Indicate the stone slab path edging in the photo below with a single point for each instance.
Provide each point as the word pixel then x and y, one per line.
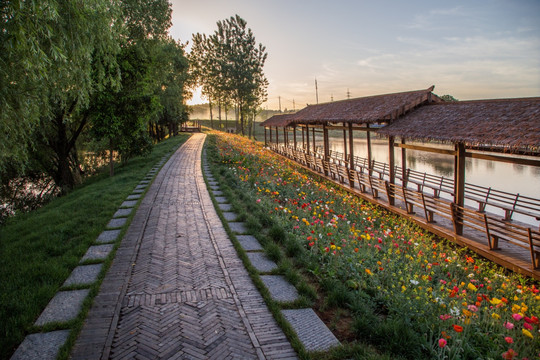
pixel 66 304
pixel 176 287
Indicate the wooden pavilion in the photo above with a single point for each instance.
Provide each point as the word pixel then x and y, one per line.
pixel 495 130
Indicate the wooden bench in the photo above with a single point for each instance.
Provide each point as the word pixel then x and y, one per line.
pixel 508 202
pixel 363 180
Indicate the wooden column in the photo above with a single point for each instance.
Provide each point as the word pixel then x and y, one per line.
pixel 271 140
pixel 294 136
pixel 285 137
pixel 303 138
pixel 265 141
pixel 326 147
pixel 392 164
pixel 314 141
pixel 344 143
pixel 277 136
pixel 403 164
pixel 351 152
pixel 459 182
pixel 307 139
pixel 368 148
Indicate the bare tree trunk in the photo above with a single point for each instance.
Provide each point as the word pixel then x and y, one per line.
pixel 211 116
pixel 219 114
pixel 111 162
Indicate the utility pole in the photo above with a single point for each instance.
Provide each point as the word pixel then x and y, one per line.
pixel 293 105
pixel 348 94
pixel 279 103
pixel 316 91
pixel 332 97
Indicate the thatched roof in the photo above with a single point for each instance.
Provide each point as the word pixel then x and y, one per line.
pixel 280 120
pixel 509 123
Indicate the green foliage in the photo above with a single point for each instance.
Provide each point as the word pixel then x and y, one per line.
pixel 229 66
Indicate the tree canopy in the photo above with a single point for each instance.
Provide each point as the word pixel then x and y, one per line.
pixel 75 74
pixel 228 65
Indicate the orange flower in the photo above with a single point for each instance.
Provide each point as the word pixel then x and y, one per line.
pixel 457 328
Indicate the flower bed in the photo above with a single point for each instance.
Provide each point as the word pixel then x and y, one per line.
pixel 413 293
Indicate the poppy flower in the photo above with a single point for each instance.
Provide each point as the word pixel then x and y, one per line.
pixel 442 343
pixel 457 328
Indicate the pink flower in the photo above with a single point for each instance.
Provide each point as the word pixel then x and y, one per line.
pixel 445 317
pixel 508 325
pixel 517 317
pixel 258 201
pixel 442 343
pixel 509 340
pixel 472 308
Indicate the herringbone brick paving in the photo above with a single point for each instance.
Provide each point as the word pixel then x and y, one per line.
pixel 177 289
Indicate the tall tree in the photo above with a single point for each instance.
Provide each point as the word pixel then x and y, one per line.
pixel 241 65
pixel 53 54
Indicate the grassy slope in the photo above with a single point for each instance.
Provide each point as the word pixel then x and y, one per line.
pixel 39 250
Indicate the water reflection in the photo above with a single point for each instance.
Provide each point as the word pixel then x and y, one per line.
pixel 508 177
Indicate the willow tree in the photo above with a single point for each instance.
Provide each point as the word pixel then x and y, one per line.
pixel 53 55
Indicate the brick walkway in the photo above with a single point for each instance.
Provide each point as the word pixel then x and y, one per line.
pixel 176 288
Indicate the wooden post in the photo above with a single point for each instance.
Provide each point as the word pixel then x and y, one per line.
pixel 326 146
pixel 265 140
pixel 277 136
pixel 392 165
pixel 344 143
pixel 368 149
pixel 294 136
pixel 303 138
pixel 459 182
pixel 271 140
pixel 285 137
pixel 351 152
pixel 403 164
pixel 314 142
pixel 307 139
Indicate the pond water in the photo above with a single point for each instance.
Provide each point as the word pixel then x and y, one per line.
pixel 511 178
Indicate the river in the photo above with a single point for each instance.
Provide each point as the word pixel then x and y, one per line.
pixel 511 178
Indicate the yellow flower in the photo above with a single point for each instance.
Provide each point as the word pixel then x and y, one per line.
pixel 495 316
pixel 467 312
pixel 524 308
pixel 369 272
pixel 495 301
pixel 472 287
pixel 516 308
pixel 527 333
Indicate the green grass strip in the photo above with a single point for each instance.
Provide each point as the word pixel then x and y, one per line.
pixel 39 250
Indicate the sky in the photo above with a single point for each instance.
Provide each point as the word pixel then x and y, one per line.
pixel 480 49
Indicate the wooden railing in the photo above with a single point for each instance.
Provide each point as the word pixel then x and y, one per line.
pixel 421 194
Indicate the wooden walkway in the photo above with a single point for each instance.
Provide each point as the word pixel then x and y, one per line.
pixel 176 288
pixel 511 256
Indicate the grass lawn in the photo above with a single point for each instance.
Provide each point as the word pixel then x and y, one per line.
pixel 39 250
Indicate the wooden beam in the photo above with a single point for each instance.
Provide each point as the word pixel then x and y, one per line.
pixel 459 183
pixel 307 140
pixel 506 159
pixel 391 163
pixel 425 148
pixel 368 150
pixel 345 142
pixel 351 151
pixel 326 146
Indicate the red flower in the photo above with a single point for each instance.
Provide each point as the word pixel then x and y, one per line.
pixel 509 355
pixel 457 328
